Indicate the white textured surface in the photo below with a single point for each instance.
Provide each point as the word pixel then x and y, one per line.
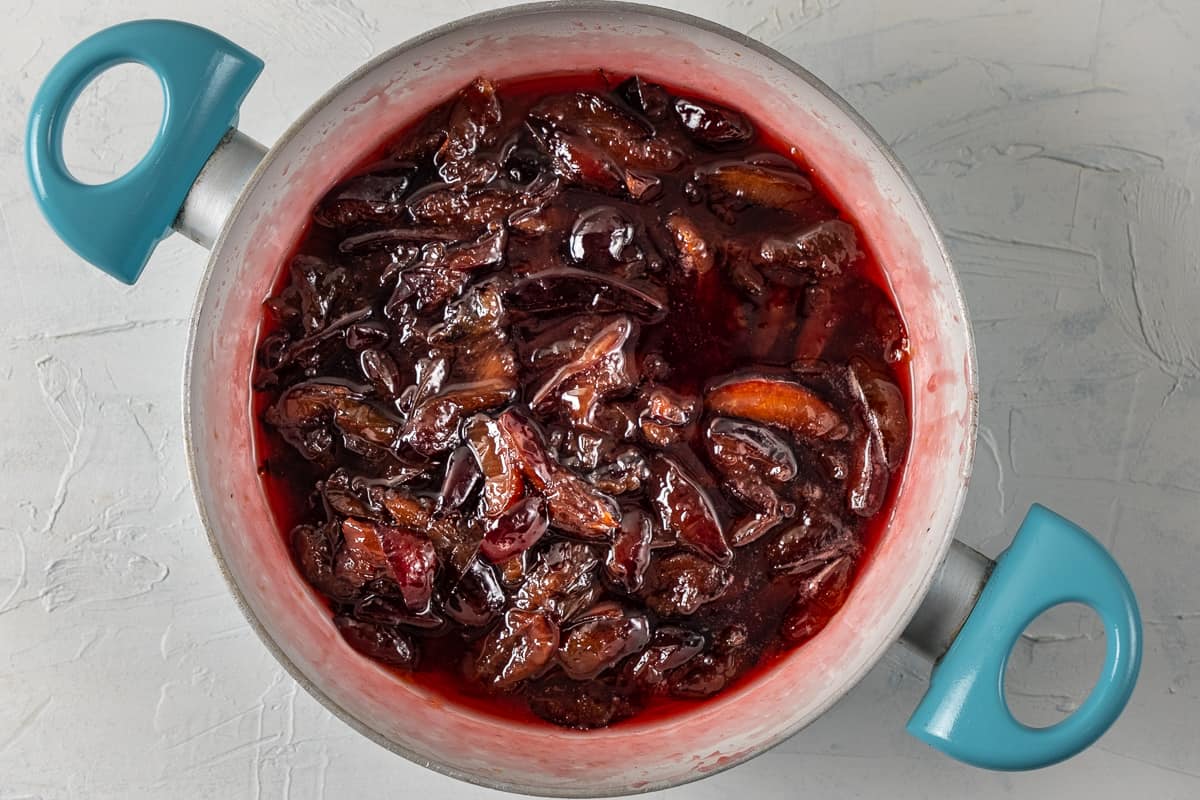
pixel 1059 147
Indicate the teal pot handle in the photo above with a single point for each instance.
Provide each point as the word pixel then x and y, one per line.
pixel 116 225
pixel 964 713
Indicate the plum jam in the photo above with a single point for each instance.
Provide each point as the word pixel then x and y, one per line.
pixel 579 397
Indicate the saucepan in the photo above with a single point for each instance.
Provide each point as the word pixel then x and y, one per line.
pixel 247 204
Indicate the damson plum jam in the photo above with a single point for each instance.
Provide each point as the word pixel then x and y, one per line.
pixel 579 397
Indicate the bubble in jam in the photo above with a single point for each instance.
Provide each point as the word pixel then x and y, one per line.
pixel 581 397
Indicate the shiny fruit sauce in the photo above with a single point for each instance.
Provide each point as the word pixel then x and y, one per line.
pixel 580 399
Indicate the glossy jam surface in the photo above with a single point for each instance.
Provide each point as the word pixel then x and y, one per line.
pixel 580 397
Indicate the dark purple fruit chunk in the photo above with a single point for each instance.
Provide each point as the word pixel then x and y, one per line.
pixel 516 530
pixel 685 510
pixel 599 638
pixel 520 648
pixel 583 705
pixel 383 643
pixel 711 124
pixel 477 597
pixel 629 554
pixel 678 584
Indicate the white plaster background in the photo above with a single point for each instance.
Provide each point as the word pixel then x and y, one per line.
pixel 1058 144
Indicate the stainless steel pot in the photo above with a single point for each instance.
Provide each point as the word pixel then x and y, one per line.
pixel 246 204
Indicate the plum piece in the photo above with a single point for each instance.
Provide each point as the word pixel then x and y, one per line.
pixel 743 184
pixel 599 638
pixel 582 705
pixel 479 312
pixel 486 251
pixel 819 597
pixel 499 462
pixel 310 406
pixel 629 554
pixel 429 376
pixel 756 525
pixel 562 582
pixel 644 187
pixel 825 306
pixel 354 569
pixel 519 162
pixel 486 359
pixel 665 416
pixel 826 248
pixel 397 238
pixel 520 648
pixel 474 118
pixel 685 510
pixel 345 497
pixel 409 555
pixel 371 199
pixel 710 672
pixel 308 353
pixel 780 402
pixel 599 237
pixel 693 253
pixel 427 285
pixel 540 211
pixel 433 425
pixel 576 506
pixel 678 584
pixel 457 208
pixel 883 407
pixel 619 419
pixel 579 161
pixel 460 480
pixel 867 482
pixel 514 571
pixel 738 446
pixel 360 559
pixel 383 643
pixel 711 124
pixel 442 273
pixel 477 597
pixel 316 282
pixel 381 371
pixel 624 473
pixel 890 335
pixel 538 220
pixel 583 450
pixel 819 539
pixel 630 141
pixel 668 407
pixel 314 555
pixel 650 99
pixel 746 277
pixel 602 369
pixel 670 647
pixel 868 476
pixel 565 289
pixel 379 609
pixel 455 540
pixel 756 494
pixel 516 530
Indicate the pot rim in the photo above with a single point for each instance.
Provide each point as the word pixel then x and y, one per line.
pixel 532 9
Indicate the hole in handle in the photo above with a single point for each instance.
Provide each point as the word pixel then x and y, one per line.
pixel 112 124
pixel 1054 665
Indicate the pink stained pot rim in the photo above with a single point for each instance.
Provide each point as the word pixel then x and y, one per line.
pixel 309 651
